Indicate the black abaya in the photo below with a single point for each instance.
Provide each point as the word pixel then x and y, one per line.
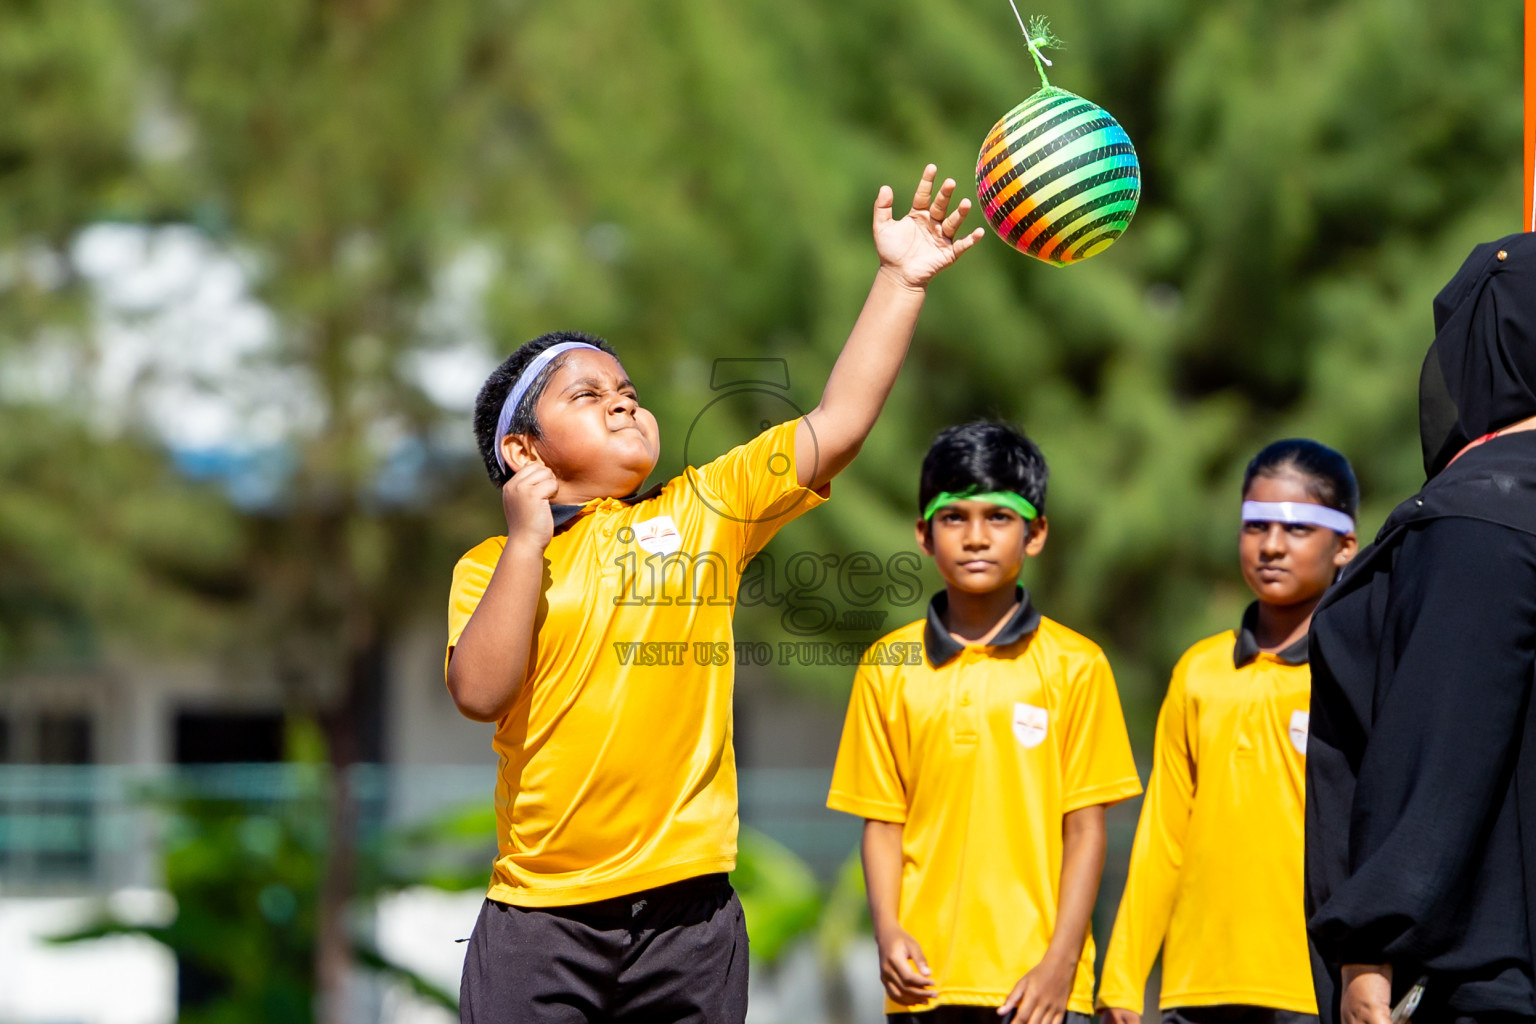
pixel 1421 783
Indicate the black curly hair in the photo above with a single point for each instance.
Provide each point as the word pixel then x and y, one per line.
pixel 493 394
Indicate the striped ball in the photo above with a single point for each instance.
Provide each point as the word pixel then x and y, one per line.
pixel 1058 178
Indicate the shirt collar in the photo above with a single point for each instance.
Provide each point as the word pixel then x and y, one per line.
pixel 1247 646
pixel 564 515
pixel 941 647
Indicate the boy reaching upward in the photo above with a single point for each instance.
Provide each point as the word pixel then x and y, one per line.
pixel 577 634
pixel 982 773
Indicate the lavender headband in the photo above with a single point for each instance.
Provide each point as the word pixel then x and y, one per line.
pixel 1297 512
pixel 520 388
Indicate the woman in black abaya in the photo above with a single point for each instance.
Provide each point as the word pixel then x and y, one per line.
pixel 1421 765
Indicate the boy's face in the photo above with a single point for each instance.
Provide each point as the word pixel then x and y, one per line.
pixel 979 547
pixel 1288 563
pixel 597 440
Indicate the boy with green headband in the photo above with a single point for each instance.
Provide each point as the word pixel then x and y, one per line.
pixel 983 771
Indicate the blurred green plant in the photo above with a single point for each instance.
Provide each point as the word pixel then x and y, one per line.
pixel 845 914
pixel 244 875
pixel 694 181
pixel 779 894
pixel 785 906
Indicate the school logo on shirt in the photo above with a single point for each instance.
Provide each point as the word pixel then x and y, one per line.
pixel 1300 722
pixel 658 536
pixel 1029 724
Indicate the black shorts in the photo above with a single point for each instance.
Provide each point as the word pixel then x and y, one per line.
pixel 676 953
pixel 1235 1014
pixel 950 1013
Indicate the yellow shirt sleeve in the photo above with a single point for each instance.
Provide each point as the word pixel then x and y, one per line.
pixel 471 576
pixel 1156 857
pixel 756 484
pixel 1097 766
pixel 867 779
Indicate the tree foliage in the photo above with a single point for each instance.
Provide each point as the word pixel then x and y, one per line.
pixel 693 181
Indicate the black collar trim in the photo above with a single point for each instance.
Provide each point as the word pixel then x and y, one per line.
pixel 1247 646
pixel 941 647
pixel 564 515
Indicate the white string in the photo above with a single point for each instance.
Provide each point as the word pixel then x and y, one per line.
pixel 1034 44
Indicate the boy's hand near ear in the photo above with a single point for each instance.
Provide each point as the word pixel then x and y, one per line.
pixel 488 666
pixel 525 501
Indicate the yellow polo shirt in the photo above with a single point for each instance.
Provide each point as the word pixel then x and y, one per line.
pixel 616 767
pixel 1216 870
pixel 978 752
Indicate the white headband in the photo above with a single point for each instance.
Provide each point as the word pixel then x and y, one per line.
pixel 1297 512
pixel 520 388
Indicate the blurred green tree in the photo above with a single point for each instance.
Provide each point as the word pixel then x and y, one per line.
pixel 94 528
pixel 350 152
pixel 244 874
pixel 1312 175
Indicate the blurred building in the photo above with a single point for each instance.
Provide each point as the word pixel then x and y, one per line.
pixel 77 748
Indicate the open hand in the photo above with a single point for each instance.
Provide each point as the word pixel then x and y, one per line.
pixel 922 243
pixel 1041 995
pixel 904 970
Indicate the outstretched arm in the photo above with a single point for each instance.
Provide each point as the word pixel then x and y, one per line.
pixel 912 251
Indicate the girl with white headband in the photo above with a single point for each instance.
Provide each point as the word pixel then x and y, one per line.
pixel 1216 870
pixel 597 636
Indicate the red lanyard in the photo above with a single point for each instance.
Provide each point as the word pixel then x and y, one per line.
pixel 1482 440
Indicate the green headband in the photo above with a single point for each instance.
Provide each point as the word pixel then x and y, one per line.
pixel 1007 499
